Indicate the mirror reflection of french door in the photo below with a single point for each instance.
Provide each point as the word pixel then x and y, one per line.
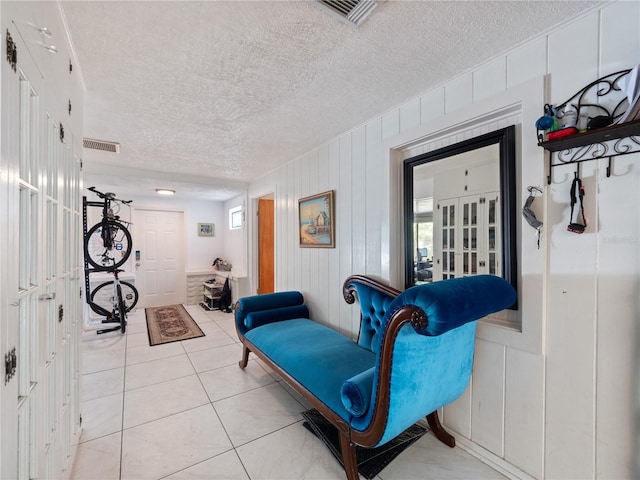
pixel 465 233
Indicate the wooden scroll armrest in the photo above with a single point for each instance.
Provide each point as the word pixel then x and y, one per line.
pixel 351 284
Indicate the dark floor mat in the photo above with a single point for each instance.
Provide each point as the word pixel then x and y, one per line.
pixel 371 461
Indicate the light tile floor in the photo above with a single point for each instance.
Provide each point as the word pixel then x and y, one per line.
pixel 185 410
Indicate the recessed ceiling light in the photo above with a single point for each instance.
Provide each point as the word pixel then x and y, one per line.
pixel 165 191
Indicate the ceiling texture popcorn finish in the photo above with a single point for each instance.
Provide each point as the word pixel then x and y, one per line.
pixel 222 92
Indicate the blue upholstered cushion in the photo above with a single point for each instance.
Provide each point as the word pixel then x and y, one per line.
pixel 427 373
pixel 246 305
pixel 356 392
pixel 318 357
pixel 262 317
pixel 451 303
pixel 432 369
pixel 374 306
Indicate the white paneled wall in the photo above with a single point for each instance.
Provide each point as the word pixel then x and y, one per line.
pixel 562 409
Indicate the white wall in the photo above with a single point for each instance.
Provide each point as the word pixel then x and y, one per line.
pixel 562 410
pixel 235 241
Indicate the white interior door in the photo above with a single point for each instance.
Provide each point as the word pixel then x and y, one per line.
pixel 158 236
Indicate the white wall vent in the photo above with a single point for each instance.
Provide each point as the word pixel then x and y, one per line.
pixel 103 145
pixel 353 12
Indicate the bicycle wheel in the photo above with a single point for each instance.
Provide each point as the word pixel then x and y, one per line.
pixel 107 258
pixel 101 298
pixel 122 310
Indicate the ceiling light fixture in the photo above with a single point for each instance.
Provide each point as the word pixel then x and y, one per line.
pixel 165 191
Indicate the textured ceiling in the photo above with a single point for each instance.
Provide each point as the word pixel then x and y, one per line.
pixel 233 89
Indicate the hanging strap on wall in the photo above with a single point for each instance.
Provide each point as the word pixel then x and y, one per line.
pixel 528 213
pixel 577 192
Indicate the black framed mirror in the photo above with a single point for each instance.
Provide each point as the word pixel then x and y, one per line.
pixel 460 210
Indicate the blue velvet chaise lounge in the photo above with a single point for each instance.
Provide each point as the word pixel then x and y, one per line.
pixel 413 355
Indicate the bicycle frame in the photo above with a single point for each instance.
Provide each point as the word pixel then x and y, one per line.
pixel 118 312
pixel 110 233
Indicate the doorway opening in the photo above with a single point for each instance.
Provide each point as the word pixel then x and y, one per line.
pixel 266 244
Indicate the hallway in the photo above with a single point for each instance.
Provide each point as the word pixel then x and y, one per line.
pixel 185 410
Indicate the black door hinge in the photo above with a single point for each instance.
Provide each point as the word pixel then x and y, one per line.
pixel 12 52
pixel 61 133
pixel 60 313
pixel 10 365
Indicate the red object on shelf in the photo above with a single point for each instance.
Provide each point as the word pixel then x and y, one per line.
pixel 565 132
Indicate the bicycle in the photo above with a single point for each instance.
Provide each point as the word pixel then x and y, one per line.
pixel 114 300
pixel 108 243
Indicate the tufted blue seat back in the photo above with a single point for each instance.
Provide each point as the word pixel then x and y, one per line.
pixel 374 305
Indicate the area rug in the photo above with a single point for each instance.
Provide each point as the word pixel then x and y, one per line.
pixel 170 324
pixel 371 461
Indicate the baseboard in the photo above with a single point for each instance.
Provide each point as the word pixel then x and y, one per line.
pixel 491 459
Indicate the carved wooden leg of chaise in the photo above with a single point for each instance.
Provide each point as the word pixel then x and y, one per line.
pixel 245 357
pixel 349 457
pixel 439 431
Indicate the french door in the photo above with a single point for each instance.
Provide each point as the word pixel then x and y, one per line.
pixel 465 233
pixel 39 274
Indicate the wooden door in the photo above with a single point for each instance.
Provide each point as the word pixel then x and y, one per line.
pixel 160 270
pixel 265 246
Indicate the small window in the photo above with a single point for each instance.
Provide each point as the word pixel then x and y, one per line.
pixel 236 218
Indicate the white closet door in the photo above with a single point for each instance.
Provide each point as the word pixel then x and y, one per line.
pixel 39 302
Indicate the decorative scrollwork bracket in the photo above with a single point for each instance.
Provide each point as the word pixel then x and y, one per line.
pixel 603 97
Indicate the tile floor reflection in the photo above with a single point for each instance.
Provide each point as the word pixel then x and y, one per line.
pixel 185 410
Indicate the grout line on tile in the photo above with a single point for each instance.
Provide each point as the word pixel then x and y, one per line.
pixel 152 360
pixel 300 421
pixel 198 463
pixel 166 416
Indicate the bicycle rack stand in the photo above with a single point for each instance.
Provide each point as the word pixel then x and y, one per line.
pixel 87 269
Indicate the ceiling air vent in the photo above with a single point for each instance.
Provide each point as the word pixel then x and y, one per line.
pixel 353 12
pixel 103 145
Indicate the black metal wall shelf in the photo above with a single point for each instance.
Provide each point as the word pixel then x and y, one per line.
pixel 603 97
pixel 605 142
